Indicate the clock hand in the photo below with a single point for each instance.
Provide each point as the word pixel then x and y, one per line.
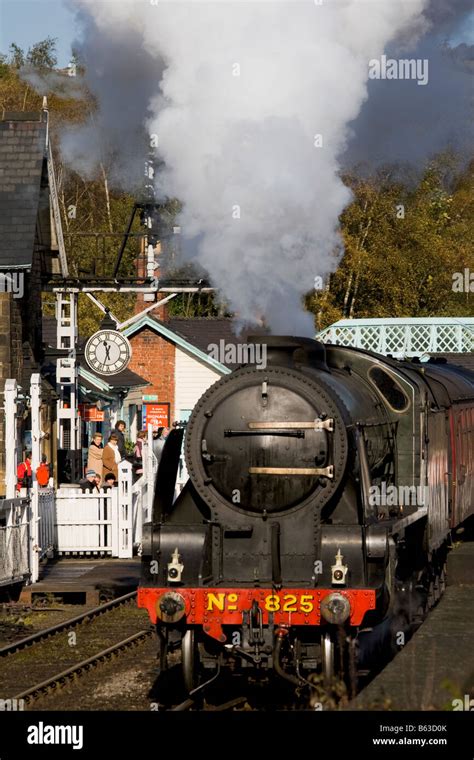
pixel 107 350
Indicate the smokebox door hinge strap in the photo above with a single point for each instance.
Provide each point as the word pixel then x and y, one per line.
pixel 323 472
pixel 317 424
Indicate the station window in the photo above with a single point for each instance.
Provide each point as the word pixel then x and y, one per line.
pixel 389 388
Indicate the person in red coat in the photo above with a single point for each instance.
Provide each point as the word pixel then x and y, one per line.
pixel 23 473
pixel 43 472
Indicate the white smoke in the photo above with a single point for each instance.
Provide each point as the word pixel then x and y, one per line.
pixel 252 113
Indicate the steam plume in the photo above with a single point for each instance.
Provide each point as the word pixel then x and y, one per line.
pixel 251 103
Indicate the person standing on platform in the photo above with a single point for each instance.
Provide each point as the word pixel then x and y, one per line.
pixel 109 481
pixel 159 438
pixel 138 452
pixel 43 473
pixel 24 473
pixel 111 457
pixel 94 457
pixel 91 482
pixel 119 431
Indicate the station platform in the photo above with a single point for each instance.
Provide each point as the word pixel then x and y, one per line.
pixel 86 581
pixel 437 664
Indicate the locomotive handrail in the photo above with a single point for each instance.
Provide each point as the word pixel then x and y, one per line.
pixel 326 472
pixel 317 424
pixel 283 433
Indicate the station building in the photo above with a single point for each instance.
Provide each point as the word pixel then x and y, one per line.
pixel 28 256
pixel 174 355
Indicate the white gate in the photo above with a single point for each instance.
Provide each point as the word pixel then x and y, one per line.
pixel 98 522
pixel 85 522
pixel 65 521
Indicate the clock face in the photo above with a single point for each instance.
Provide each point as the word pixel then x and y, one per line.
pixel 108 352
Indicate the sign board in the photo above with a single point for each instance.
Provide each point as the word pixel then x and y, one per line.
pixel 150 397
pixel 90 413
pixel 157 415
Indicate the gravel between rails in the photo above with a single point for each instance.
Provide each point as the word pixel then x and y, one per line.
pixel 123 683
pixel 29 666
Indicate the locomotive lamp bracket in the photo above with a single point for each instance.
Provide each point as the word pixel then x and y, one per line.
pixel 339 571
pixel 175 568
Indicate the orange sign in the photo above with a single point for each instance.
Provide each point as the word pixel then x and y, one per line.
pixel 157 415
pixel 90 413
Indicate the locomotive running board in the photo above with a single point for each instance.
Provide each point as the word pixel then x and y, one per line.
pixel 325 472
pixel 313 425
pixel 404 522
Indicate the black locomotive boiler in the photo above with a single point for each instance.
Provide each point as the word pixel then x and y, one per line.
pixel 322 491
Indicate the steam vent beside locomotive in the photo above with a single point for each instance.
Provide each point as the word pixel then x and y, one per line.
pixel 275 560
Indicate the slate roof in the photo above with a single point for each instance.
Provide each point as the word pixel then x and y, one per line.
pixel 122 380
pixel 22 150
pixel 202 331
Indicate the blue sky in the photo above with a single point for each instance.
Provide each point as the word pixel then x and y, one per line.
pixel 28 21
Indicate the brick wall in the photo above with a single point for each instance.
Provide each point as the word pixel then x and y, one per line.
pixel 153 357
pixel 140 302
pixel 161 312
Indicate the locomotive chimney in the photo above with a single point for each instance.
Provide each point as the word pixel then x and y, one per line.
pixel 289 350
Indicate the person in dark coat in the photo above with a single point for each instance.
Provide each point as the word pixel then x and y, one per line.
pixel 159 438
pixel 91 482
pixel 109 481
pixel 119 431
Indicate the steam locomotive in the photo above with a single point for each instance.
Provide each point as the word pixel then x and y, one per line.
pixel 322 493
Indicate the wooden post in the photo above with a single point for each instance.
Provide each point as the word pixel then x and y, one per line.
pixel 125 519
pixel 11 437
pixel 150 472
pixel 36 434
pixel 35 401
pixel 34 533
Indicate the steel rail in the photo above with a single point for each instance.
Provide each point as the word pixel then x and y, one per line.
pixel 69 623
pixel 35 692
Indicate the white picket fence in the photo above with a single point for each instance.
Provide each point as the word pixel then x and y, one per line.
pixel 70 522
pixel 85 522
pixel 43 522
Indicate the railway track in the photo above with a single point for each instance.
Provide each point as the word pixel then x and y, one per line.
pixel 68 624
pixel 32 662
pixel 60 679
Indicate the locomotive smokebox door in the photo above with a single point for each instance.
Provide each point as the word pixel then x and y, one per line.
pixel 267 441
